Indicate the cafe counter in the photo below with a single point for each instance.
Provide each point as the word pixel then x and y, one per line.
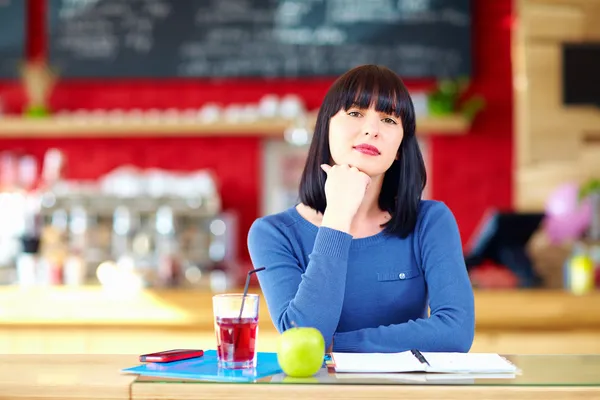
pixel 93 320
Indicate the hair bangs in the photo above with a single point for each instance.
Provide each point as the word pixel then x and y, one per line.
pixel 371 86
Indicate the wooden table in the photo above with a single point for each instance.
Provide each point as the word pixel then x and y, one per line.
pixel 69 376
pixel 98 377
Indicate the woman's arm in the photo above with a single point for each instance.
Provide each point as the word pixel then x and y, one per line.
pixel 295 297
pixel 451 324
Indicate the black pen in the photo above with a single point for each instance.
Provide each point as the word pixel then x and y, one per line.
pixel 420 356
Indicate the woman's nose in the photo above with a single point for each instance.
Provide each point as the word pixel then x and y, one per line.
pixel 371 126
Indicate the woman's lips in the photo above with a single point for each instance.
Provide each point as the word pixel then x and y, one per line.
pixel 367 149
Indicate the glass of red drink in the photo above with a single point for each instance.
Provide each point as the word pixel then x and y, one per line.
pixel 236 332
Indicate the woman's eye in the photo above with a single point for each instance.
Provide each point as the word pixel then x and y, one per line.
pixel 390 121
pixel 354 114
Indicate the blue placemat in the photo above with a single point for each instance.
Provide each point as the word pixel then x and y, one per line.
pixel 205 368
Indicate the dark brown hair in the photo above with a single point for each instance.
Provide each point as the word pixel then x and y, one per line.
pixel 404 181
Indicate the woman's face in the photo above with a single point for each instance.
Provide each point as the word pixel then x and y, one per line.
pixel 365 138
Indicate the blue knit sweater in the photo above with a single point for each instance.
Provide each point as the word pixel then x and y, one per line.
pixel 368 294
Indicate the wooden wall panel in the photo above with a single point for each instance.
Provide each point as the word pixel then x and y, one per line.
pixel 554 143
pixel 553 21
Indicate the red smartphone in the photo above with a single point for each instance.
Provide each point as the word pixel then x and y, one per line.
pixel 171 355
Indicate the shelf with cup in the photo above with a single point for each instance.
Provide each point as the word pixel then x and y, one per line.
pixel 80 127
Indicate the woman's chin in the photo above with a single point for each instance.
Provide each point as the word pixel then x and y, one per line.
pixel 371 167
pixel 370 170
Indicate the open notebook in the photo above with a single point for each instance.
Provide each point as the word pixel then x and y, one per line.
pixel 424 377
pixel 412 361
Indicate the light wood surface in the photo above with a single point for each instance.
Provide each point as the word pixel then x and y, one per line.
pixel 99 377
pixel 79 127
pixel 344 392
pixel 549 310
pixel 553 310
pixel 90 320
pixel 65 376
pixel 96 340
pixel 96 306
pixel 16 127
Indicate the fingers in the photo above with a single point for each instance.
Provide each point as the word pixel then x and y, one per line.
pixel 367 179
pixel 327 168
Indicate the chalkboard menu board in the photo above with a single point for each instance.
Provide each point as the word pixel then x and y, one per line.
pixel 258 38
pixel 12 37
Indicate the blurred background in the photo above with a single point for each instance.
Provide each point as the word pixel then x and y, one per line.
pixel 140 139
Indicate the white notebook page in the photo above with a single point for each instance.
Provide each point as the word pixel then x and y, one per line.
pixel 407 362
pixel 424 377
pixel 468 363
pixel 377 362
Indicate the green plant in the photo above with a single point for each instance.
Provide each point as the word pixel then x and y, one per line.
pixel 448 99
pixel 589 187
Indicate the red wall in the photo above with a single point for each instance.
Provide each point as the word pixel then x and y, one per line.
pixel 471 172
pixel 474 172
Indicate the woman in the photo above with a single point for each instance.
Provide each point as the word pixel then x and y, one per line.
pixel 362 257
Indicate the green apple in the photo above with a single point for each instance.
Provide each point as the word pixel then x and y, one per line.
pixel 291 379
pixel 301 351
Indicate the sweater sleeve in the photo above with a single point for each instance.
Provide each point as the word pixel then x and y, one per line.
pixel 296 297
pixel 451 324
